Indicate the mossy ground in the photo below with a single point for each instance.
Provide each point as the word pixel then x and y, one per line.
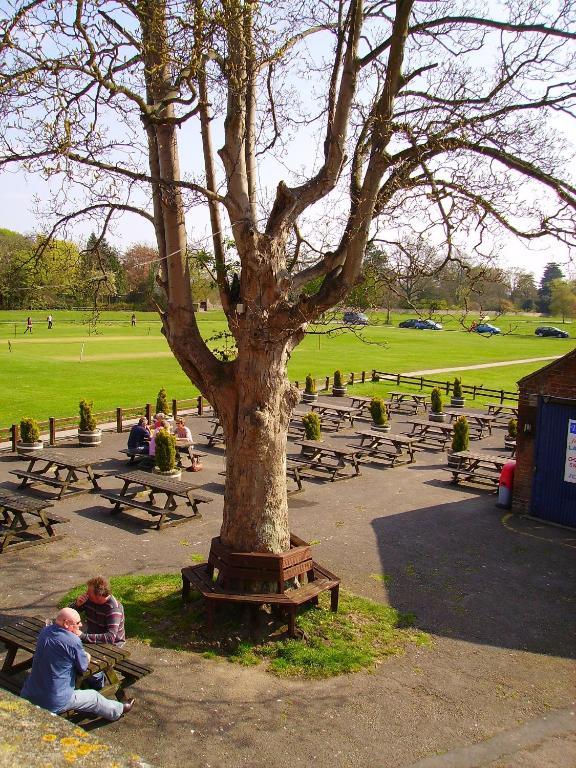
pixel 359 636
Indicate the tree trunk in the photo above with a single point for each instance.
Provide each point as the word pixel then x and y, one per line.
pixel 255 501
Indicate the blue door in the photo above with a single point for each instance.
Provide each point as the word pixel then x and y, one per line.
pixel 552 497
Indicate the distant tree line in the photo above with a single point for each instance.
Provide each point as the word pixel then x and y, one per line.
pixel 37 273
pixel 412 275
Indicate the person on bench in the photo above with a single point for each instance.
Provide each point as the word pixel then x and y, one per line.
pixel 184 440
pixel 58 658
pixel 104 618
pixel 139 437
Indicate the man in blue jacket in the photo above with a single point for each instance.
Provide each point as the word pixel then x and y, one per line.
pixel 58 658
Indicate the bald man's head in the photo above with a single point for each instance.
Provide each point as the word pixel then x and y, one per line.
pixel 69 619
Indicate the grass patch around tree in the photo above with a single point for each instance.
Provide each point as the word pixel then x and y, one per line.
pixel 359 636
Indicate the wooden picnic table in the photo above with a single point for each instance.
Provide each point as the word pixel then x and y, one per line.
pixel 480 420
pixel 330 458
pixel 411 400
pixel 57 463
pixel 362 403
pixel 397 449
pixel 217 435
pixel 478 466
pixel 152 484
pixel 20 638
pixel 22 516
pixel 502 412
pixel 336 413
pixel 431 434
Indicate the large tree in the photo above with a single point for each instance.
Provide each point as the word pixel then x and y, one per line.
pixel 551 272
pixel 414 115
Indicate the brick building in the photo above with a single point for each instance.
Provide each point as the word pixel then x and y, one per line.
pixel 545 480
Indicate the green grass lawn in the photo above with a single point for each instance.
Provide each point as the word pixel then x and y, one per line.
pixel 48 372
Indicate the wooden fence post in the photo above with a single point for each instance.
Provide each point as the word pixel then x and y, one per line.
pixel 174 408
pixel 14 435
pixel 363 377
pixel 327 387
pixel 118 419
pixel 447 387
pixel 52 430
pixel 352 378
pixel 149 412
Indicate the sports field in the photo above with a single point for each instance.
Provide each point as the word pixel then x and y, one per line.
pixel 114 364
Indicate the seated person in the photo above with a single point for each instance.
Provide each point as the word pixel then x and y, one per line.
pixel 104 619
pixel 184 441
pixel 139 437
pixel 58 658
pixel 158 420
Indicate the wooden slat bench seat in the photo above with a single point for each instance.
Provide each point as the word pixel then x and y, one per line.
pixel 134 456
pixel 468 474
pixel 129 501
pixel 131 671
pixel 238 567
pixel 16 509
pixel 37 478
pixel 10 683
pixel 213 439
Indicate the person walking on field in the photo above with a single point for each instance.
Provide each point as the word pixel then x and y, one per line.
pixel 133 320
pixel 49 319
pixel 28 325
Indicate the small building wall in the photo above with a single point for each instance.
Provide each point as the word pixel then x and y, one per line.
pixel 557 380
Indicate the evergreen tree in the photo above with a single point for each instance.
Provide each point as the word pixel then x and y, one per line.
pixel 551 272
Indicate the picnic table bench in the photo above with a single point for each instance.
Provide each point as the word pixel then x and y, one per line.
pixel 407 402
pixel 335 414
pixel 16 509
pixel 431 434
pixel 478 422
pixel 396 449
pixel 238 567
pixel 332 459
pixel 20 638
pixel 476 466
pixel 216 437
pixel 151 484
pixel 58 462
pixel 503 413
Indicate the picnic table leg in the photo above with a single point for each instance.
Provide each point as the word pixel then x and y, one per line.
pixel 9 659
pixel 92 477
pixel 46 522
pixel 70 476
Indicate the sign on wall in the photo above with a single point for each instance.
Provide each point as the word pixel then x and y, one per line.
pixel 570 466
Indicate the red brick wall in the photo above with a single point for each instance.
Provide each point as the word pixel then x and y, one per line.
pixel 555 380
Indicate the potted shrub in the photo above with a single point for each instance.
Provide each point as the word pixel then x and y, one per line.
pixel 29 437
pixel 460 440
pixel 510 437
pixel 457 399
pixel 436 404
pixel 162 404
pixel 338 388
pixel 165 456
pixel 379 415
pixel 88 432
pixel 311 422
pixel 310 395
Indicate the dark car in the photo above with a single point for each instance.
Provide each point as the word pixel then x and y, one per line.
pixel 487 328
pixel 549 330
pixel 428 325
pixel 421 325
pixel 356 318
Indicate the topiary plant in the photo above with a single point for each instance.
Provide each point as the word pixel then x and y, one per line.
pixel 378 411
pixel 461 435
pixel 311 423
pixel 338 379
pixel 87 421
pixel 436 400
pixel 513 429
pixel 310 387
pixel 162 402
pixel 457 389
pixel 29 431
pixel 165 457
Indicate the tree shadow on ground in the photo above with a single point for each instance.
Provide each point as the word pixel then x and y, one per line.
pixel 472 572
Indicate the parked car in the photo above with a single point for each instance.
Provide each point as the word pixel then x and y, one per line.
pixel 421 325
pixel 549 330
pixel 355 318
pixel 428 325
pixel 487 328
